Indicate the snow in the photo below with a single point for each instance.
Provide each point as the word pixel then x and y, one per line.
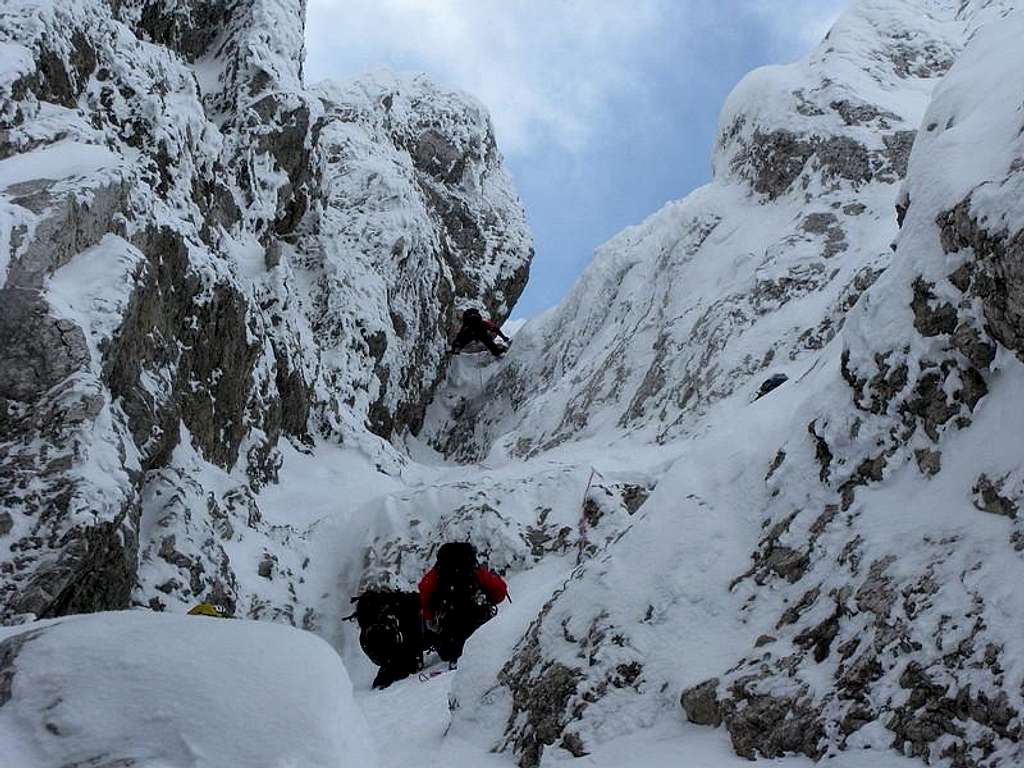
pixel 15 61
pixel 969 126
pixel 420 712
pixel 94 288
pixel 62 160
pixel 643 378
pixel 301 499
pixel 409 721
pixel 162 690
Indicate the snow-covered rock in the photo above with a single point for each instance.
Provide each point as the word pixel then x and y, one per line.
pixel 136 688
pixel 200 257
pixel 414 214
pixel 750 275
pixel 222 319
pixel 831 567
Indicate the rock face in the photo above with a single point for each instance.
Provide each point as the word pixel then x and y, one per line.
pixel 200 257
pixel 827 568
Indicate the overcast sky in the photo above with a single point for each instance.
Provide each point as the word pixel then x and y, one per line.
pixel 604 109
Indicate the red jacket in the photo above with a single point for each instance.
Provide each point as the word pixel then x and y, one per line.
pixel 492 584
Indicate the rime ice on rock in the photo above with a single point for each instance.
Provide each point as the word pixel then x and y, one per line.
pixel 200 257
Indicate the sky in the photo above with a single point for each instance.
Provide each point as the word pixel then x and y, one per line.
pixel 604 110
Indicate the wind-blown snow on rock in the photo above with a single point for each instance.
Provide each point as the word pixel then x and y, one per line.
pixel 134 688
pixel 199 258
pixel 834 566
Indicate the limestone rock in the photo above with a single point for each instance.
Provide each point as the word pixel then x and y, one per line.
pixel 152 327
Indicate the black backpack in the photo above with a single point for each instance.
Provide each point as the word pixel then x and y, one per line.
pixel 472 320
pixel 388 624
pixel 456 558
pixel 458 591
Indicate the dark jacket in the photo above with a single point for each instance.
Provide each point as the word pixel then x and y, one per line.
pixel 475 328
pixel 491 583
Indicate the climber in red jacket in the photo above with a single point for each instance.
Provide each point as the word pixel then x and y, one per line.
pixel 475 328
pixel 457 596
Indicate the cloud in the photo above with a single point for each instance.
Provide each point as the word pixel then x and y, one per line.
pixel 546 69
pixel 553 72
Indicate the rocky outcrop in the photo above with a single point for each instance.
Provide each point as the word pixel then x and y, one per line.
pixel 995 276
pixel 168 185
pixel 465 238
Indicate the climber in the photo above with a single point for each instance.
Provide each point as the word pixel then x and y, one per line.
pixel 390 633
pixel 475 328
pixel 457 596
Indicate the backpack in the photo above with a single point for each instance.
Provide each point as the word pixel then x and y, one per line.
pixel 458 592
pixel 209 609
pixel 472 320
pixel 770 384
pixel 388 622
